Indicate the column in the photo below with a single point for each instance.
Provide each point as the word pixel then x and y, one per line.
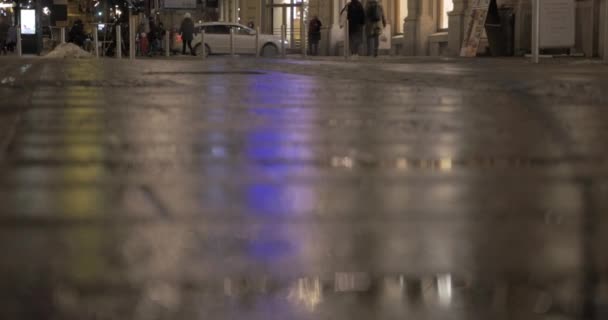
pixel 456 26
pixel 235 11
pixel 336 34
pixel 410 28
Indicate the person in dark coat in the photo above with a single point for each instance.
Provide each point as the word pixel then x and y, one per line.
pixel 4 27
pixel 356 20
pixel 77 35
pixel 187 32
pixel 314 35
pixel 153 38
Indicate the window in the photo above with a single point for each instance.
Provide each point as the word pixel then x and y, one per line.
pixel 400 15
pixel 445 6
pixel 217 29
pixel 243 31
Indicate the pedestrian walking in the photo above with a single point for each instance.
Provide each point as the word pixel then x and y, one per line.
pixel 314 35
pixel 4 27
pixel 187 32
pixel 143 44
pixel 355 16
pixel 162 33
pixel 375 22
pixel 153 38
pixel 11 41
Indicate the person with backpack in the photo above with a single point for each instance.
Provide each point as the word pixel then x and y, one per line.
pixel 187 32
pixel 153 38
pixel 314 35
pixel 356 20
pixel 375 22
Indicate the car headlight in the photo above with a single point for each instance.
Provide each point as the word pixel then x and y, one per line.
pixel 285 41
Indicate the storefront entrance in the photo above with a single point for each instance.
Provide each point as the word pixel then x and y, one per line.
pixel 291 14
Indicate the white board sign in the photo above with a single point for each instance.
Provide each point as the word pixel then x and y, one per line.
pixel 179 4
pixel 557 23
pixel 28 21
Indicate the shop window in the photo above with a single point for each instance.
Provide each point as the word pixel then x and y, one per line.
pixel 445 6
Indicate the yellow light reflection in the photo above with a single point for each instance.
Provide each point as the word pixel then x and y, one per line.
pixel 445 164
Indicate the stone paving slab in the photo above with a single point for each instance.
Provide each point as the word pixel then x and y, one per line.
pixel 302 189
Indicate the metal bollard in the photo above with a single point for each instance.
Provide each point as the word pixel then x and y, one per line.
pixel 96 41
pixel 536 31
pixel 283 37
pixel 346 41
pixel 167 43
pixel 132 26
pixel 19 47
pixel 257 42
pixel 118 43
pixel 232 42
pixel 62 35
pixel 203 48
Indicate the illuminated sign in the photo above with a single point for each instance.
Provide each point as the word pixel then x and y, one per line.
pixel 6 5
pixel 28 21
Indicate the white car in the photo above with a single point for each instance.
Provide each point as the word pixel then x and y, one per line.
pixel 217 40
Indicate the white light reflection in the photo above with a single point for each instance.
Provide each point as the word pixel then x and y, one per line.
pixel 346 162
pixel 444 289
pixel 307 291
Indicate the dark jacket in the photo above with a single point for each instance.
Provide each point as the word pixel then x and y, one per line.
pixel 314 30
pixel 355 16
pixel 187 29
pixel 374 28
pixel 4 27
pixel 77 35
pixel 153 35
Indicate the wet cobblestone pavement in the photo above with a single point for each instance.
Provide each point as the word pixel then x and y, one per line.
pixel 243 189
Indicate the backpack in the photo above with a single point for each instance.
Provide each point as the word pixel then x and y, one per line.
pixel 374 14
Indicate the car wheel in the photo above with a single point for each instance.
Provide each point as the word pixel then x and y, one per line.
pixel 270 50
pixel 199 50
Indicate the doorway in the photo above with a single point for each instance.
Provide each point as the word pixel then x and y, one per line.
pixel 291 14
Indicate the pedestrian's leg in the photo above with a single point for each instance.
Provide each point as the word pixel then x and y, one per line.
pixel 355 40
pixel 184 47
pixel 376 44
pixel 370 45
pixel 190 46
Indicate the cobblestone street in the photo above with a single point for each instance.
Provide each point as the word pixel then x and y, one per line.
pixel 303 189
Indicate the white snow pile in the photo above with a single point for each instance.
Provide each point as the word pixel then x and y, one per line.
pixel 68 50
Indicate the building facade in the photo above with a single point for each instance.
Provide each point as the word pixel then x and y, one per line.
pixel 416 27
